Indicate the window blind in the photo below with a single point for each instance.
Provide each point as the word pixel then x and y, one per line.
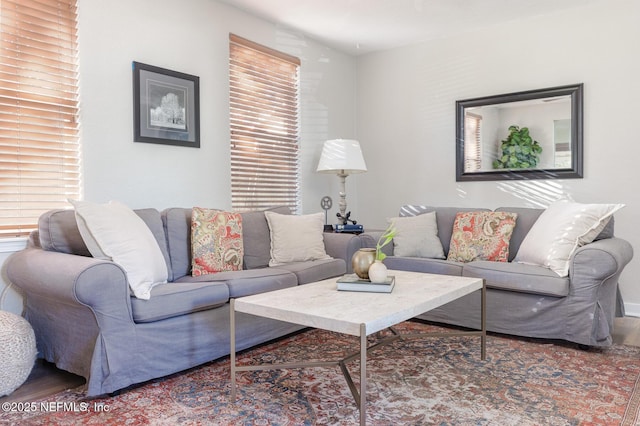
pixel 264 116
pixel 472 142
pixel 39 141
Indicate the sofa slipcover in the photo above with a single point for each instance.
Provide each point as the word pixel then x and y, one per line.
pixel 87 322
pixel 528 300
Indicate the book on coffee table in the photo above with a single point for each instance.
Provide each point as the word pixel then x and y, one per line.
pixel 351 282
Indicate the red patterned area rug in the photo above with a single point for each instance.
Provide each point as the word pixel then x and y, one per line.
pixel 432 381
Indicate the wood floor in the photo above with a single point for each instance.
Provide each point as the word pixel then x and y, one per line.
pixel 46 379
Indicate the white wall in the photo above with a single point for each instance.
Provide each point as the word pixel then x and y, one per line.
pixel 190 37
pixel 405 102
pixel 406 115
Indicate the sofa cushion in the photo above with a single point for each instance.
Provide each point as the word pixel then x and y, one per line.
pixel 296 238
pixel 526 218
pixel 481 236
pixel 173 299
pixel 421 264
pixel 518 277
pixel 417 236
pixel 113 231
pixel 177 226
pixel 560 230
pixel 445 216
pixel 256 237
pixel 248 281
pixel 154 221
pixel 607 231
pixel 58 231
pixel 316 270
pixel 216 241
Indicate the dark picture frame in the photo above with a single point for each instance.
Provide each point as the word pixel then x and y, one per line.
pixel 166 106
pixel 572 95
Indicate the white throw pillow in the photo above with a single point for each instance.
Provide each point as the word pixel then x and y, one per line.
pixel 417 236
pixel 560 230
pixel 115 232
pixel 296 238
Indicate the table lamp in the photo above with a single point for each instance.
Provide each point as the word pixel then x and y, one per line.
pixel 342 157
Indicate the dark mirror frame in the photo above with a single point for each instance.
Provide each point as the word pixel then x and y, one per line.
pixel 575 171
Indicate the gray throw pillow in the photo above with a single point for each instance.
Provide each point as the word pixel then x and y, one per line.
pixel 417 236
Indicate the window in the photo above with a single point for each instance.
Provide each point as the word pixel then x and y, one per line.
pixel 472 142
pixel 39 146
pixel 263 99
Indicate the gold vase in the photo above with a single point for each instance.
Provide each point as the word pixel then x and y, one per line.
pixel 361 261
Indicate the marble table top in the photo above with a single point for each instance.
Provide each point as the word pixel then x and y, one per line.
pixel 321 305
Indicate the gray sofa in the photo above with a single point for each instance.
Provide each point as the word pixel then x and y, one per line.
pixel 86 321
pixel 528 300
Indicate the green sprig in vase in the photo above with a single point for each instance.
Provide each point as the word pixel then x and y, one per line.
pixel 378 270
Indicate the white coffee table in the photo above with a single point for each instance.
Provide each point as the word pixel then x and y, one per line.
pixel 321 305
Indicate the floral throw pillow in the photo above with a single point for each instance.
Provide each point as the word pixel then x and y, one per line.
pixel 481 236
pixel 216 241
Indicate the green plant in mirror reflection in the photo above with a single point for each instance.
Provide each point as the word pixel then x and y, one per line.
pixel 519 150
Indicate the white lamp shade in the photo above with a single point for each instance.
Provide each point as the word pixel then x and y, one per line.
pixel 341 156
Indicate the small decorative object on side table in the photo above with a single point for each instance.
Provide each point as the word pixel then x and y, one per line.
pixel 349 229
pixel 17 351
pixel 326 202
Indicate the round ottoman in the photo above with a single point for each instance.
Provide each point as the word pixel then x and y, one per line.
pixel 17 351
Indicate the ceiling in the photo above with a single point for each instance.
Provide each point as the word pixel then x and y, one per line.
pixel 363 26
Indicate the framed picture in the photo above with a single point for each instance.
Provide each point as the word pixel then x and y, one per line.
pixel 166 106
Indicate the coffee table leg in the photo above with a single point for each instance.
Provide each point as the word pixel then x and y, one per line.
pixel 233 348
pixel 363 374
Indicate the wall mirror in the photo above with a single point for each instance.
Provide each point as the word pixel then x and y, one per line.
pixel 535 134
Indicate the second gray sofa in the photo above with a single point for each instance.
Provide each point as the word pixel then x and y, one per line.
pixel 528 300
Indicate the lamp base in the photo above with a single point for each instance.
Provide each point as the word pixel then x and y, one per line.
pixel 328 228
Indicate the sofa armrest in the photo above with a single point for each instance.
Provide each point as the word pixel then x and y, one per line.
pixel 80 310
pixel 600 259
pixel 594 271
pixel 73 280
pixel 342 246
